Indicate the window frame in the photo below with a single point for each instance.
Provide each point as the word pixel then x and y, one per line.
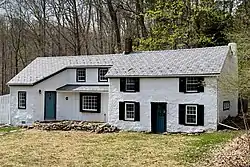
pixel 228 107
pixel 126 84
pixel 77 76
pixel 197 84
pixel 99 77
pixel 125 111
pixel 196 115
pixel 98 103
pixel 25 100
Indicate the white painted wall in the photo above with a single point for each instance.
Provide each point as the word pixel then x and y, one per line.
pixel 227 87
pixel 35 101
pixel 4 109
pixel 70 109
pixel 163 90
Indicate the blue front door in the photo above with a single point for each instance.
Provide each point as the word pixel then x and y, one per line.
pixel 158 116
pixel 50 106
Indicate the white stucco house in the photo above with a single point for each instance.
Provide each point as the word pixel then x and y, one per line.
pixel 168 90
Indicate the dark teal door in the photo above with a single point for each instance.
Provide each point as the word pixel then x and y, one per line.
pixel 50 106
pixel 158 117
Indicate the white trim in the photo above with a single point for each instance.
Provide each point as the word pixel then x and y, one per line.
pixel 196 114
pixel 79 76
pixel 91 104
pixel 125 117
pixel 126 83
pixel 103 80
pixel 191 91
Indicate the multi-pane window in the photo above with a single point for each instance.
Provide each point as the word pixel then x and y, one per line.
pixel 191 114
pixel 22 100
pixel 102 72
pixel 89 103
pixel 130 84
pixel 226 105
pixel 81 75
pixel 129 111
pixel 192 84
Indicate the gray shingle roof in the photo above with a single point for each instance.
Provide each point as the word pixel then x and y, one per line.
pixel 198 61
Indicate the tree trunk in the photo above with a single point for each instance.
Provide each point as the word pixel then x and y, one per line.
pixel 114 20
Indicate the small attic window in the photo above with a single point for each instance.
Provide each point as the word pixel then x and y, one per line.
pixel 81 75
pixel 101 74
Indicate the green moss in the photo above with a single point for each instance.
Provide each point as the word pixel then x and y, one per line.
pixel 8 129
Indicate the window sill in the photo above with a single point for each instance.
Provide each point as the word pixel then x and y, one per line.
pixel 102 80
pixel 21 108
pixel 130 120
pixel 192 125
pixel 130 91
pixel 89 111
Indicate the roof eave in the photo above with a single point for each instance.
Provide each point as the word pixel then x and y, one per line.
pixel 163 76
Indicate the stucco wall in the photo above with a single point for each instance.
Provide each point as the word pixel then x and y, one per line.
pixel 70 109
pixel 227 87
pixel 163 90
pixel 35 101
pixel 4 109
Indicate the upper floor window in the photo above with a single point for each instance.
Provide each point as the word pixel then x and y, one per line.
pixel 191 84
pixel 21 100
pixel 81 75
pixel 129 84
pixel 101 74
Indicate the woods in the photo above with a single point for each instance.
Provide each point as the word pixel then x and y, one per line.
pixel 32 28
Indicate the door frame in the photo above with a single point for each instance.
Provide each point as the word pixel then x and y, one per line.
pixel 154 117
pixel 54 104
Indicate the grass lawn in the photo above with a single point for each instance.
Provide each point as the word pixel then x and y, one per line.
pixel 41 148
pixel 7 129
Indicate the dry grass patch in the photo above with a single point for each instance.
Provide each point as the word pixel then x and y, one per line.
pixel 41 148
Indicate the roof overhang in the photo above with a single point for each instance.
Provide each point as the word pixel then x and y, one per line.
pixel 164 76
pixel 84 88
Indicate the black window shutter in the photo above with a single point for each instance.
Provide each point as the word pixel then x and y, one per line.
pixel 99 103
pixel 201 86
pixel 137 111
pixel 182 84
pixel 122 84
pixel 200 115
pixel 137 84
pixel 121 110
pixel 182 113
